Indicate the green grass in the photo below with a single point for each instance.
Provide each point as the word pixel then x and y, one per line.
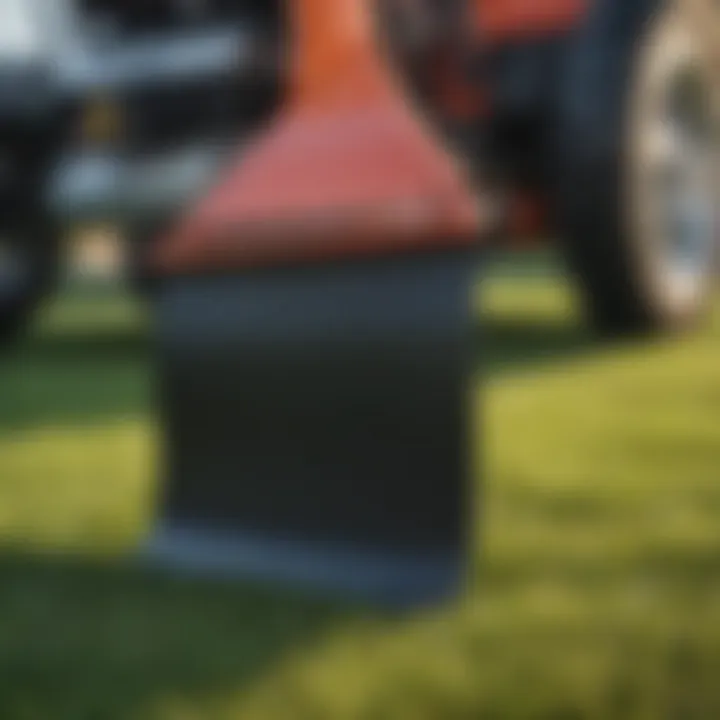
pixel 597 589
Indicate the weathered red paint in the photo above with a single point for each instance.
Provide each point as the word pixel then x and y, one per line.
pixel 499 20
pixel 528 216
pixel 346 169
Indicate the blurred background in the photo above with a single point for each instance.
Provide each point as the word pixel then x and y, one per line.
pixel 588 132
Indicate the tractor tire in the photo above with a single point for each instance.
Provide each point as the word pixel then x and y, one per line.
pixel 637 165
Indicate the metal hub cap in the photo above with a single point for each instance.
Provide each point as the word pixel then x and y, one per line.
pixel 675 162
pixel 686 188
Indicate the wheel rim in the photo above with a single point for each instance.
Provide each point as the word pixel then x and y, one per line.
pixel 685 186
pixel 675 164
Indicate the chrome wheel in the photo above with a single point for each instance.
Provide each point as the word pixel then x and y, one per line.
pixel 673 175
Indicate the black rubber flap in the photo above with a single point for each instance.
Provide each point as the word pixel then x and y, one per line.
pixel 316 426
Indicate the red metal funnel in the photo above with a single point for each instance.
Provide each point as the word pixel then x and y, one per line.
pixel 346 169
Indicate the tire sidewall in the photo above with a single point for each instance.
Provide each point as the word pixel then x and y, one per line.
pixel 616 280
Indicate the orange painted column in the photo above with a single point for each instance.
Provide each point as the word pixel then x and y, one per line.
pixel 335 58
pixel 347 168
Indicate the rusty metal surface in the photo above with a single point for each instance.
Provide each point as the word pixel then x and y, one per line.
pixel 347 169
pixel 501 20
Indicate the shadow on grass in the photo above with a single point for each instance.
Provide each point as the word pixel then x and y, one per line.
pixel 89 639
pixel 505 344
pixel 75 379
pixel 85 345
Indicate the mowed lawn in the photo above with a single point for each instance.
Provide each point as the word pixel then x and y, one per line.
pixel 597 587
